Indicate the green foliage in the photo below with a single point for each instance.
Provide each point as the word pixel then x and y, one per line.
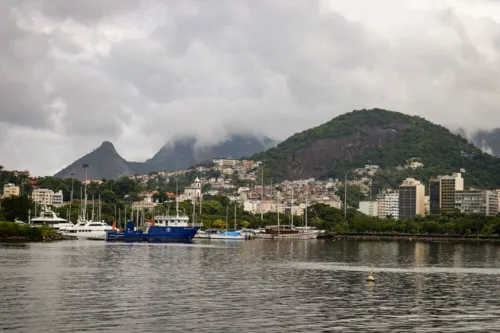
pixel 218 224
pixel 435 146
pixel 16 207
pixel 332 219
pixel 10 230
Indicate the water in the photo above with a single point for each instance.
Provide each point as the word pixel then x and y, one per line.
pixel 252 286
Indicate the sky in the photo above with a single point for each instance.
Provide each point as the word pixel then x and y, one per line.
pixel 139 73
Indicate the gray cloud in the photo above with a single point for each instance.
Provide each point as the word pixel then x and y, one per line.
pixel 138 73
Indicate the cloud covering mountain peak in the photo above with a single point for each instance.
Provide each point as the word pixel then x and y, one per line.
pixel 139 73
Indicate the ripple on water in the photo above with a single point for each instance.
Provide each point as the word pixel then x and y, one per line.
pixel 255 286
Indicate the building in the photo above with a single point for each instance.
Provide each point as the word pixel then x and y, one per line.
pixel 388 205
pixel 482 202
pixel 57 199
pixel 411 198
pixel 10 190
pixel 225 163
pixel 146 203
pixel 193 192
pixel 368 208
pixel 42 196
pixel 427 205
pixel 442 192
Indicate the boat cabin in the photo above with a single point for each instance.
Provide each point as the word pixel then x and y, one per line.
pixel 171 221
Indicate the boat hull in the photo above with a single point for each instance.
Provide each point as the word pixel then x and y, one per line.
pixel 299 235
pixel 154 235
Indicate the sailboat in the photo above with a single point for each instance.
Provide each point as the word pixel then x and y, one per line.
pixel 235 235
pixel 287 231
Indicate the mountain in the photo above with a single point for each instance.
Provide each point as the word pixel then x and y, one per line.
pixel 104 162
pixel 488 141
pixel 385 138
pixel 183 153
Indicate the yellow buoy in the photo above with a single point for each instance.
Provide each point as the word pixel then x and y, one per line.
pixel 370 278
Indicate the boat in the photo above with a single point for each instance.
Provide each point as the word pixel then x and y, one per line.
pixel 84 228
pixel 92 230
pixel 49 218
pixel 234 235
pixel 205 233
pixel 287 231
pixel 164 229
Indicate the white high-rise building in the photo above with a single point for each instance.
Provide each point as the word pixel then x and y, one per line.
pixel 57 199
pixel 369 208
pixel 388 205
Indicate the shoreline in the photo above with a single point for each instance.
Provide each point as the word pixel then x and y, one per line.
pixel 411 238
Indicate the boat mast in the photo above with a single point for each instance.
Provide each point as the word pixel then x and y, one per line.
pixel 307 204
pixel 345 196
pixel 177 196
pixel 201 190
pixel 227 210
pixel 194 209
pixel 291 210
pixel 81 198
pixel 235 217
pixel 93 199
pixel 278 211
pixel 262 192
pixel 85 166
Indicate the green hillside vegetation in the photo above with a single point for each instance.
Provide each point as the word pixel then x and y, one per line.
pixel 364 137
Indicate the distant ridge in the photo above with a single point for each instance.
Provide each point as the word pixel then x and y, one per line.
pixel 105 162
pixel 183 153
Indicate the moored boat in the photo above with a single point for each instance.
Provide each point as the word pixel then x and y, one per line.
pixel 286 232
pixel 49 218
pixel 234 235
pixel 164 229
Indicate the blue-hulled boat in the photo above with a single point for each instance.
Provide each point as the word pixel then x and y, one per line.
pixel 163 229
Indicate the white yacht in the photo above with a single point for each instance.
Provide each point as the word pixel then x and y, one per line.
pixel 49 218
pixel 87 229
pixel 94 230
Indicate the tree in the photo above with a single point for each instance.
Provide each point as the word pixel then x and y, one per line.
pixel 219 224
pixel 16 207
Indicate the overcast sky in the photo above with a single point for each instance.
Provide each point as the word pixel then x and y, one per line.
pixel 76 73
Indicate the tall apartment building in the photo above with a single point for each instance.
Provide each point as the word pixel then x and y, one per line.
pixel 442 192
pixel 10 190
pixel 411 198
pixel 58 199
pixel 368 208
pixel 481 202
pixel 42 196
pixel 388 205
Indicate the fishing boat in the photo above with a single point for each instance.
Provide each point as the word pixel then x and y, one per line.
pixel 162 229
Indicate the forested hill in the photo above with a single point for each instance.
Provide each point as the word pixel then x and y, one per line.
pixel 385 138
